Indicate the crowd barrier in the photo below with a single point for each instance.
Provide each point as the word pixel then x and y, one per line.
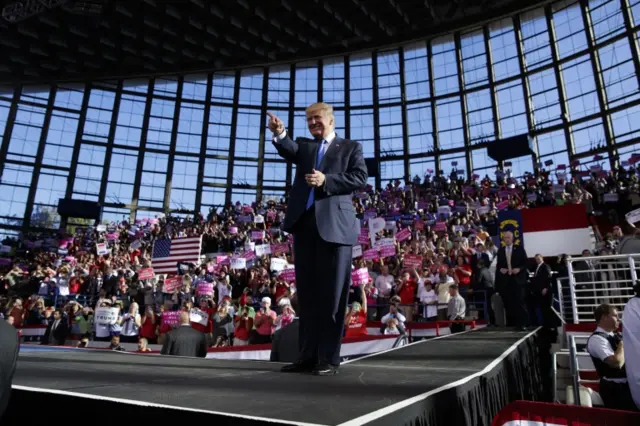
pixel 527 413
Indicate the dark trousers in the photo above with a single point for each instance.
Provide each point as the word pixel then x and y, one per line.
pixel 514 299
pixel 616 396
pixel 323 275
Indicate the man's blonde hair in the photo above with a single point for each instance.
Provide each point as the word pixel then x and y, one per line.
pixel 326 108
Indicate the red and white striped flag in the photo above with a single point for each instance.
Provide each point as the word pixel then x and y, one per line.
pixel 552 231
pixel 167 253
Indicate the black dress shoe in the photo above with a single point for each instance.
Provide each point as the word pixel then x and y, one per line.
pixel 298 367
pixel 325 370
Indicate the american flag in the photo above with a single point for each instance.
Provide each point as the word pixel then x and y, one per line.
pixel 167 253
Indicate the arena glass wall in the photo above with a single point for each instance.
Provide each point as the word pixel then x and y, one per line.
pixel 566 73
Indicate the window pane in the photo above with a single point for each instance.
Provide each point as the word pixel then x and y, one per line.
pixel 333 81
pixel 445 65
pixel 416 72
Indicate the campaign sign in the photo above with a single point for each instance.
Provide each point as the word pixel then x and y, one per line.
pixel 172 284
pixel 106 316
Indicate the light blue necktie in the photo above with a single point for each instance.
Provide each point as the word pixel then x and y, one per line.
pixel 321 151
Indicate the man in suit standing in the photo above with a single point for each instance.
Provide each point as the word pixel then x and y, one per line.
pixel 57 330
pixel 541 295
pixel 321 217
pixel 184 340
pixel 511 281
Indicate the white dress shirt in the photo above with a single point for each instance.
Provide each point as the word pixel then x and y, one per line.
pixel 599 347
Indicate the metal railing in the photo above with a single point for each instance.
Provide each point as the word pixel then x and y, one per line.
pixel 595 280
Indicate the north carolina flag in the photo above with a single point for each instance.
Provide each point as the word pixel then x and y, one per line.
pixel 552 231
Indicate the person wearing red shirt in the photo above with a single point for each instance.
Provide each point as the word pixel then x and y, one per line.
pixel 243 327
pixel 462 272
pixel 148 328
pixel 356 318
pixel 406 290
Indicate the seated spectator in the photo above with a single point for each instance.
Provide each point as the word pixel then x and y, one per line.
pixel 392 327
pixel 143 345
pixel 395 313
pixel 115 344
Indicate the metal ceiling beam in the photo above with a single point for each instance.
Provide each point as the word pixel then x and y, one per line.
pixel 372 16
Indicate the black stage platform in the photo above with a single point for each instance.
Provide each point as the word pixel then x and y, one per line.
pixel 462 379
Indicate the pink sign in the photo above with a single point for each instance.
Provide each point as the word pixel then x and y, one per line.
pixel 502 205
pixel 146 274
pixel 440 227
pixel 388 251
pixel 419 225
pixel 412 261
pixel 363 238
pixel 370 254
pixel 205 288
pixel 170 318
pixel 249 255
pixel 280 248
pixel 289 275
pixel 233 230
pixel 221 259
pixel 360 276
pixel 257 235
pixel 172 284
pixel 405 234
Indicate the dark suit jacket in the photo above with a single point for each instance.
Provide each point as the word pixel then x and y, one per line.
pixel 56 336
pixel 345 172
pixel 518 260
pixel 474 261
pixel 185 341
pixel 9 347
pixel 541 280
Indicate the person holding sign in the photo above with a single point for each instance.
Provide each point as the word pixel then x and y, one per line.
pixel 322 219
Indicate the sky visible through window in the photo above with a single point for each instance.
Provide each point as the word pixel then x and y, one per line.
pixel 191 142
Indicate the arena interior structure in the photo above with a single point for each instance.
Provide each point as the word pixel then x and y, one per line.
pixel 151 108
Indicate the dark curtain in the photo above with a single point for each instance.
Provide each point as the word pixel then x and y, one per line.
pixel 520 376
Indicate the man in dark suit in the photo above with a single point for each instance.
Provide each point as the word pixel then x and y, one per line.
pixel 540 293
pixel 322 219
pixel 480 254
pixel 184 340
pixel 57 330
pixel 511 281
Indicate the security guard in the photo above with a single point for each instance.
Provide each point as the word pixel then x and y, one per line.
pixel 607 352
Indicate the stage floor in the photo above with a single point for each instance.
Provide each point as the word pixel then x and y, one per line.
pixel 364 389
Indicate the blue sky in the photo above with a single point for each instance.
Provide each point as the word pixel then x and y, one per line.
pixel 438 91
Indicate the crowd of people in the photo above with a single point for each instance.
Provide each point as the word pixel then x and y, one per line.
pixel 438 243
